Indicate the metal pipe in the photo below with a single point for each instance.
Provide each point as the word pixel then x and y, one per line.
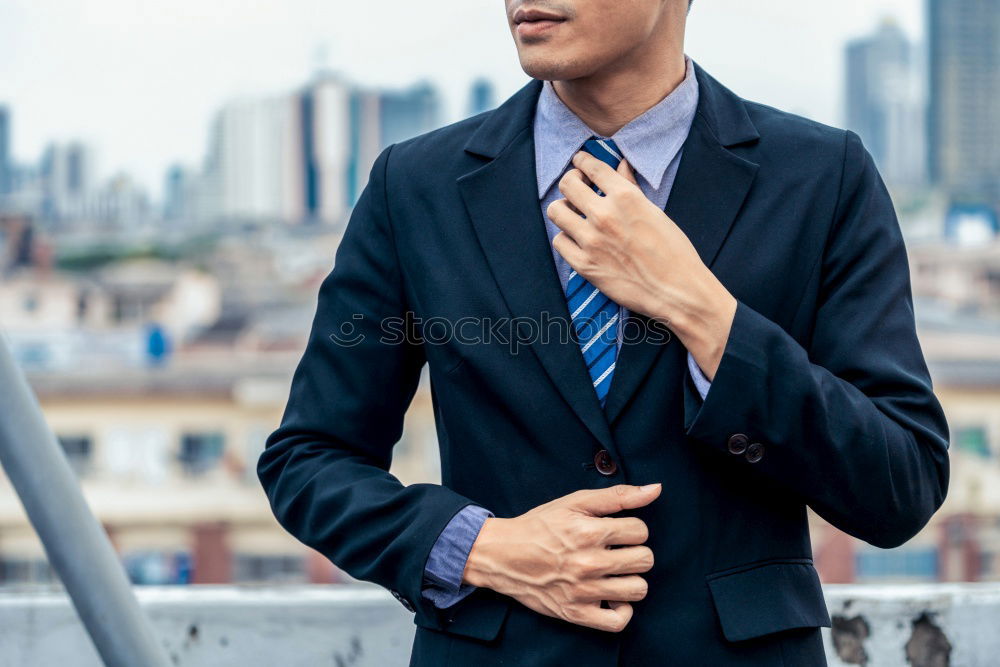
pixel 76 544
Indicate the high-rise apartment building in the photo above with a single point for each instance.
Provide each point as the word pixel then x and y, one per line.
pixel 885 103
pixel 964 113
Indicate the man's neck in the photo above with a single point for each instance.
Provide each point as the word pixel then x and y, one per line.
pixel 609 99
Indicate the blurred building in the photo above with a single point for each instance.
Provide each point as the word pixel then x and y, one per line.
pixel 287 159
pixel 325 133
pixel 68 179
pixel 964 114
pixel 380 117
pixel 182 191
pixel 366 138
pixel 957 283
pixel 482 96
pixel 885 103
pixel 167 461
pixel 253 169
pixel 409 112
pixel 6 162
pixel 162 380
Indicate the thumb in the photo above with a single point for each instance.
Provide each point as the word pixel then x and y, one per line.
pixel 625 169
pixel 599 502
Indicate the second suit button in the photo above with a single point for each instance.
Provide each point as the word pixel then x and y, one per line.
pixel 604 463
pixel 755 452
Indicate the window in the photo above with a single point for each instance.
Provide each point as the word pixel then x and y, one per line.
pixel 154 568
pixel 911 563
pixel 972 439
pixel 78 452
pixel 200 452
pixel 269 568
pixel 26 571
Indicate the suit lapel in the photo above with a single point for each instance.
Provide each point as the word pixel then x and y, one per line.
pixel 502 200
pixel 707 194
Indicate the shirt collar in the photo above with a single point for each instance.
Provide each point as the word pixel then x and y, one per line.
pixel 649 142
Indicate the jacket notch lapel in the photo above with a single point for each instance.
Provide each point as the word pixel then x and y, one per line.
pixel 502 200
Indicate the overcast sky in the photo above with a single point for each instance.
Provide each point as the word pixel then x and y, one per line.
pixel 140 79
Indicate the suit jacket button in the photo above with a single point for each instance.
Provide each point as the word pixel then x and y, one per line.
pixel 738 443
pixel 604 463
pixel 755 452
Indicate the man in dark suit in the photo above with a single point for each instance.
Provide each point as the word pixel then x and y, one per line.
pixel 659 321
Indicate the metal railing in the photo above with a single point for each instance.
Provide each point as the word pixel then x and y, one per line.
pixel 76 545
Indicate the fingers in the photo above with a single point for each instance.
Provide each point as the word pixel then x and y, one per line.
pixel 600 173
pixel 594 616
pixel 569 249
pixel 582 196
pixel 627 588
pixel 599 502
pixel 624 530
pixel 625 169
pixel 569 221
pixel 629 560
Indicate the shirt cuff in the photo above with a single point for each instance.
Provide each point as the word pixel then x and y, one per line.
pixel 446 562
pixel 701 383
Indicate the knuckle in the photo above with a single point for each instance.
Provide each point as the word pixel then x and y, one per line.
pixel 585 565
pixel 583 530
pixel 573 613
pixel 601 218
pixel 628 194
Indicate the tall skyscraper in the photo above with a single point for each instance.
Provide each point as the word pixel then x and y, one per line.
pixel 379 118
pixel 181 194
pixel 366 139
pixel 964 111
pixel 68 181
pixel 6 166
pixel 325 122
pixel 482 96
pixel 407 113
pixel 885 103
pixel 253 170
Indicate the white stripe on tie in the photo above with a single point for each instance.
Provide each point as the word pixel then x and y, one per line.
pixel 584 304
pixel 600 333
pixel 609 149
pixel 605 374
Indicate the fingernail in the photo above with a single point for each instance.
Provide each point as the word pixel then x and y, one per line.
pixel 649 487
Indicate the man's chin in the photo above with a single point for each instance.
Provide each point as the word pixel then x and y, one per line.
pixel 550 68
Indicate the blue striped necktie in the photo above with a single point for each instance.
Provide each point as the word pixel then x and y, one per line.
pixel 594 315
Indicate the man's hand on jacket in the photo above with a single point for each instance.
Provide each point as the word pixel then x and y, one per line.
pixel 558 560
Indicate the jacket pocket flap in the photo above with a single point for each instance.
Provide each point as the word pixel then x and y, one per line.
pixel 768 597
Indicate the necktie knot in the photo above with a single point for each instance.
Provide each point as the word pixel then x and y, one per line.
pixel 605 150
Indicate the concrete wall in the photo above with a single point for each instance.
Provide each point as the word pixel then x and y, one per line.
pixel 360 625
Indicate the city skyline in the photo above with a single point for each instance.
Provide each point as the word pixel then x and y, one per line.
pixel 125 64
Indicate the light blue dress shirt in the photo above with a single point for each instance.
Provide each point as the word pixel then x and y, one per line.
pixel 651 142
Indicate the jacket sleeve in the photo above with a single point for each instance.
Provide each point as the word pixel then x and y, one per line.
pixel 325 468
pixel 849 423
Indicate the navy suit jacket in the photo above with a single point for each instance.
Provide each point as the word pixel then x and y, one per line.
pixel 822 397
